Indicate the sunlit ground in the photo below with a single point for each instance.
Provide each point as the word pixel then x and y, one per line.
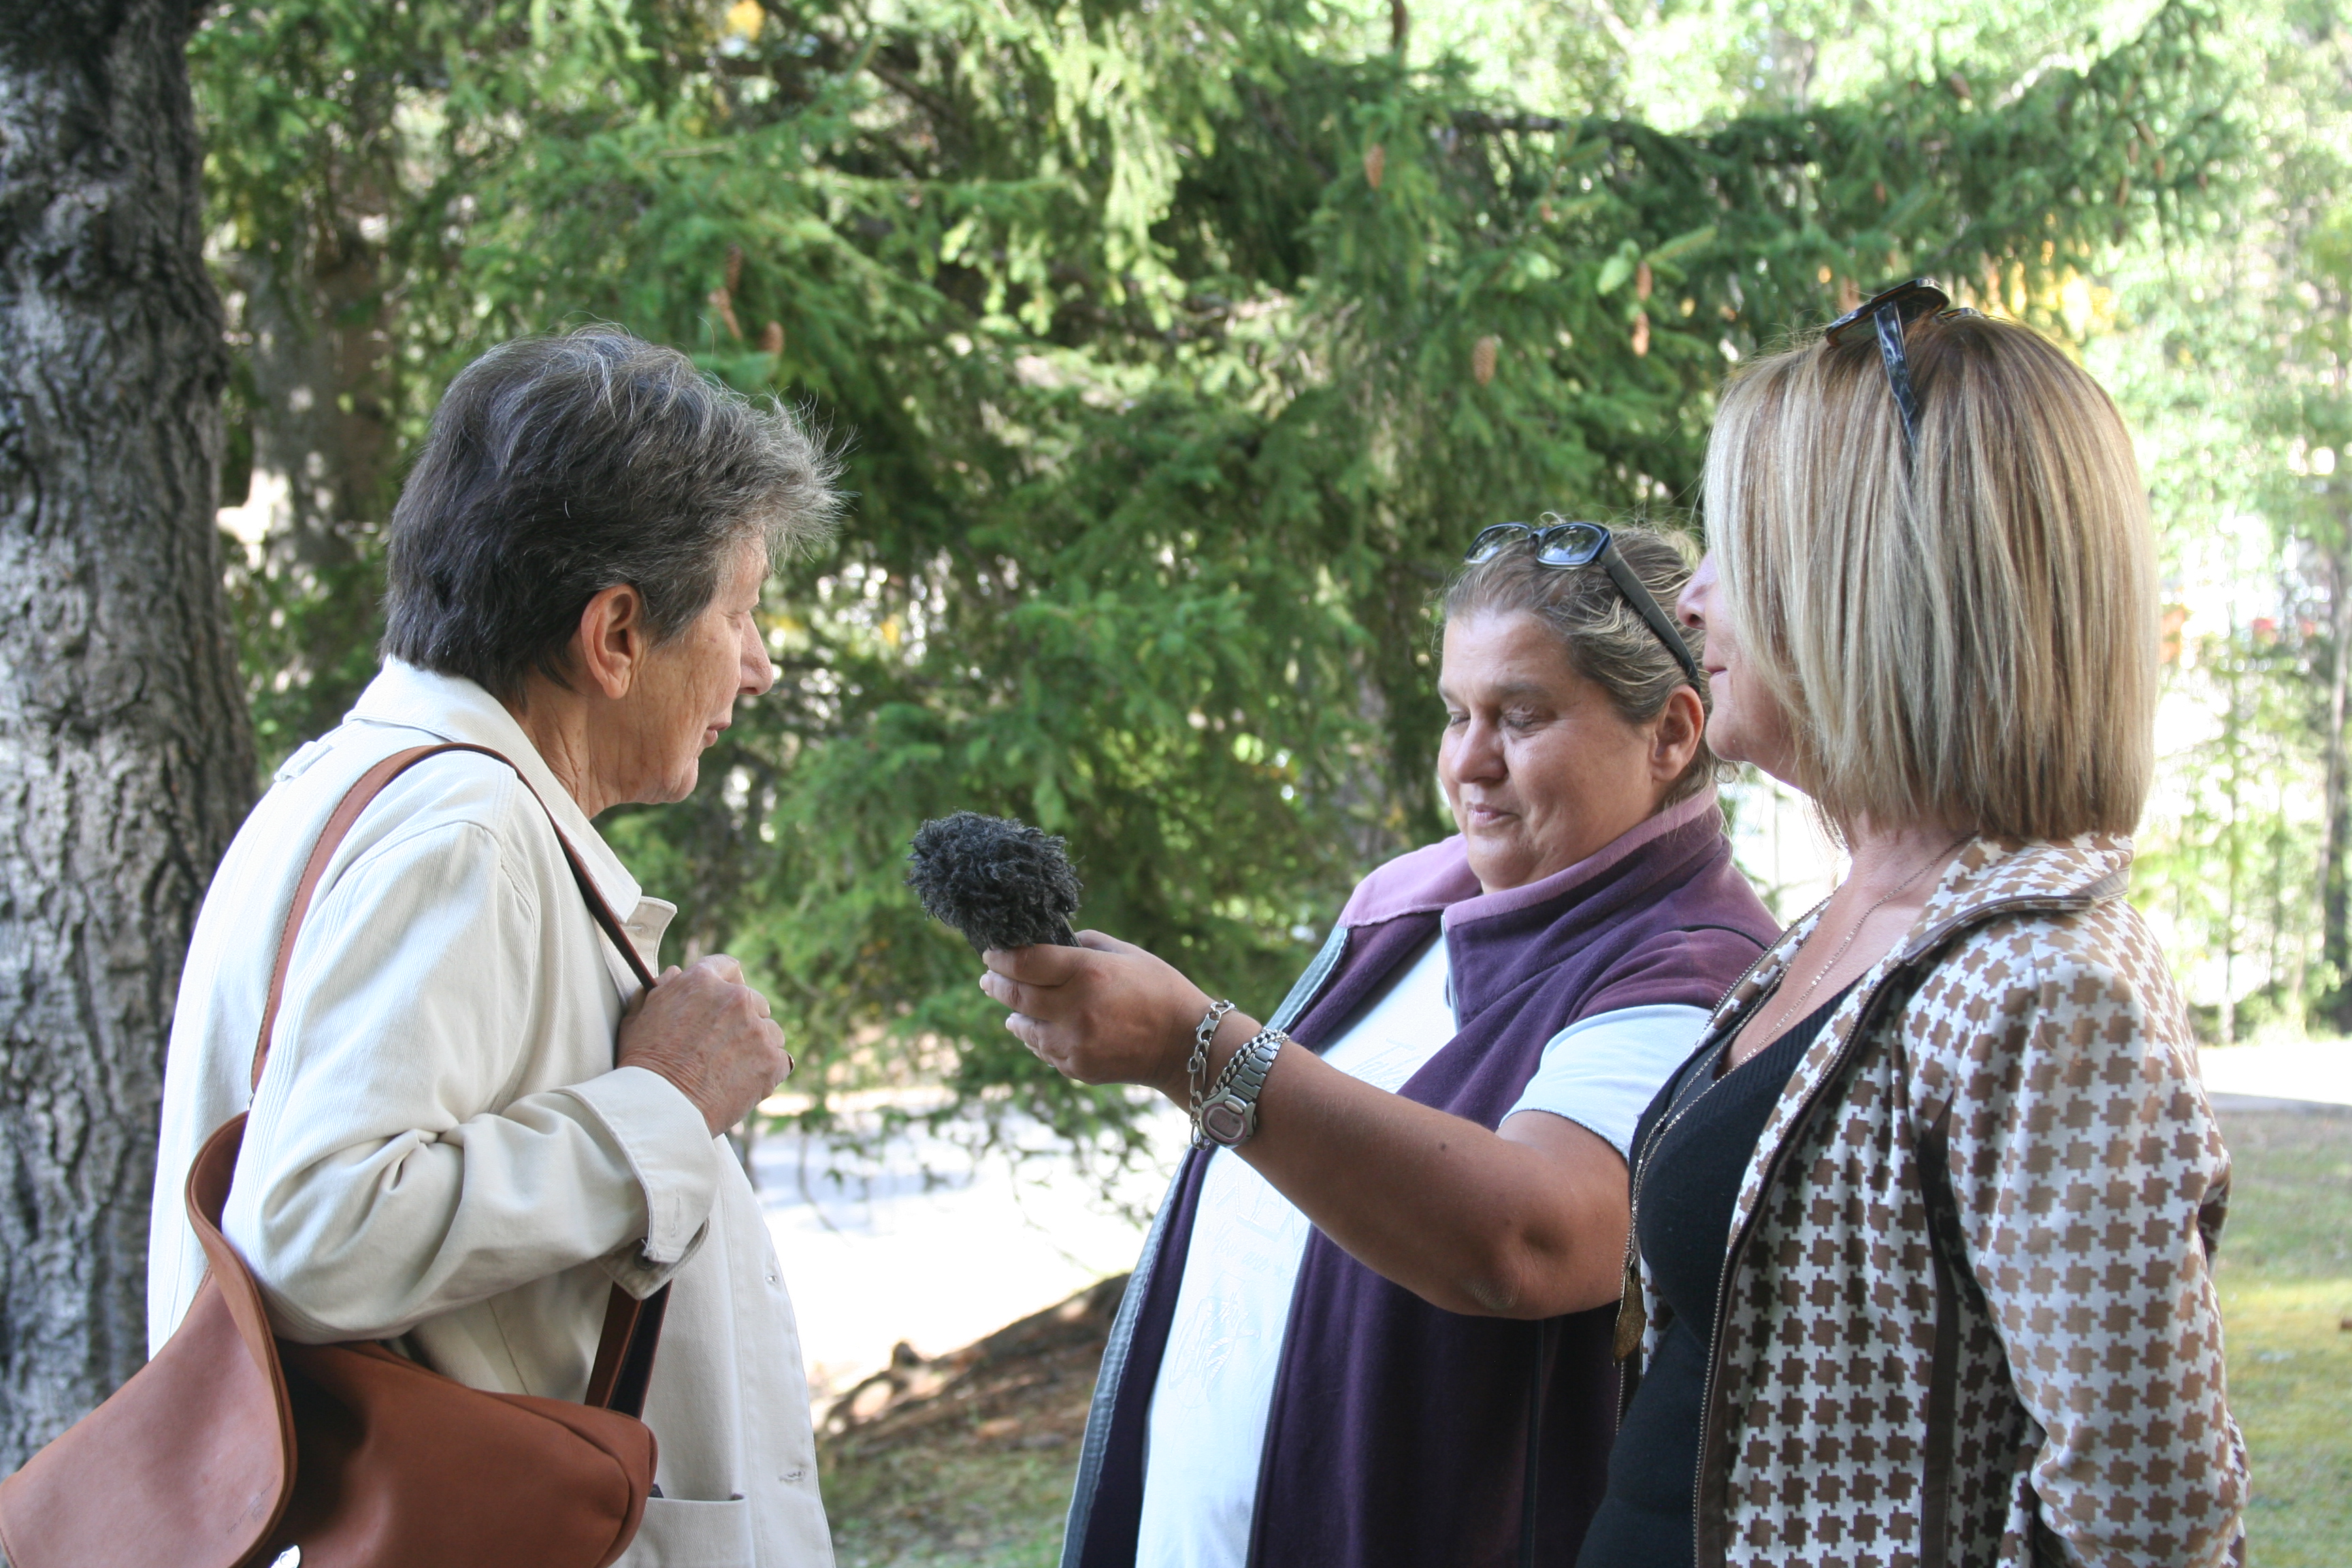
pixel 2286 1283
pixel 2287 1296
pixel 924 1241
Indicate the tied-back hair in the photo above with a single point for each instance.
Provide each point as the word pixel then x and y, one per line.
pixel 1605 638
pixel 559 466
pixel 1963 636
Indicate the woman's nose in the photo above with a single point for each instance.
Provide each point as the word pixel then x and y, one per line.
pixel 758 674
pixel 1690 605
pixel 1480 756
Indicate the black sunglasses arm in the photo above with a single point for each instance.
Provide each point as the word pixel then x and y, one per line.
pixel 1639 596
pixel 1889 322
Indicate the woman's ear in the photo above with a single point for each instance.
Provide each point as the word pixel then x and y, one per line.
pixel 1675 738
pixel 609 650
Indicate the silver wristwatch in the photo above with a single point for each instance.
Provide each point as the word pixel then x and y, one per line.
pixel 1228 1115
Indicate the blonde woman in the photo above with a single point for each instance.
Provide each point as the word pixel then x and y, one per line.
pixel 1924 1228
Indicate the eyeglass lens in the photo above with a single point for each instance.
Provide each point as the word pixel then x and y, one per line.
pixel 1492 542
pixel 1570 544
pixel 1560 544
pixel 1890 314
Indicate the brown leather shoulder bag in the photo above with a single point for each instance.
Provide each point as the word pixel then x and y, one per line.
pixel 235 1449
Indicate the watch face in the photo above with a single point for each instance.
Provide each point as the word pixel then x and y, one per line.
pixel 1225 1122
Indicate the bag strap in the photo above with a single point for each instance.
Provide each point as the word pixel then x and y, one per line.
pixel 631 1333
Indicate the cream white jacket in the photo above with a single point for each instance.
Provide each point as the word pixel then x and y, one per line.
pixel 441 1151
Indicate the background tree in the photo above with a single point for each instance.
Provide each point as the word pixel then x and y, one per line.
pixel 125 761
pixel 2230 350
pixel 1183 348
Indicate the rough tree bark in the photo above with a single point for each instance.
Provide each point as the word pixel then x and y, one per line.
pixel 125 754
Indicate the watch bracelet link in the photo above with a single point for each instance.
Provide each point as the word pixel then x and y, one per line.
pixel 1228 1114
pixel 1232 1069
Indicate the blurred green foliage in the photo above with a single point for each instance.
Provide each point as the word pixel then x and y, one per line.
pixel 1177 351
pixel 2229 351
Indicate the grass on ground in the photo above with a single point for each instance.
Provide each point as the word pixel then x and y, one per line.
pixel 2285 1275
pixel 966 1462
pixel 969 1508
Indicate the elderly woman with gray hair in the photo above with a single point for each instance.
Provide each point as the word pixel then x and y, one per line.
pixel 1372 1325
pixel 473 1120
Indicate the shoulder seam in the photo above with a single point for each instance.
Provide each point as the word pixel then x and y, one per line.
pixel 411 834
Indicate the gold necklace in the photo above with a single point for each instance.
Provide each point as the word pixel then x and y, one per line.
pixel 1789 1011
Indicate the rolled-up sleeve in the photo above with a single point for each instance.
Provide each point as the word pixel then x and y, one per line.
pixel 662 1136
pixel 391 1172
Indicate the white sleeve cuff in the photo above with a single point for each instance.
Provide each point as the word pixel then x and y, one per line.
pixel 1602 1072
pixel 674 1159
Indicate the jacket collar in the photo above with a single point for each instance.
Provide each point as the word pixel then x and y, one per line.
pixel 1991 873
pixel 1437 877
pixel 451 708
pixel 1989 877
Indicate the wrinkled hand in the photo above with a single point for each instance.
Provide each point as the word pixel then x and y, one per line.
pixel 710 1034
pixel 1103 1012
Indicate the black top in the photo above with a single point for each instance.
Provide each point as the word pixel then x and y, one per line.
pixel 1689 1186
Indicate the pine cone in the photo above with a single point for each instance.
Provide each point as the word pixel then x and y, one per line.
pixel 721 301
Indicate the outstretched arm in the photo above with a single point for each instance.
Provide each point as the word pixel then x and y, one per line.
pixel 1527 1222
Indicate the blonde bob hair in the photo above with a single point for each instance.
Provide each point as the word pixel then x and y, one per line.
pixel 1962 635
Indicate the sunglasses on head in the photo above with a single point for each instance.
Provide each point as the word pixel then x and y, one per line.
pixel 1567 544
pixel 1890 313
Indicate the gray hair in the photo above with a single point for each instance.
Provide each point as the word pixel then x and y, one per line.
pixel 559 466
pixel 1605 638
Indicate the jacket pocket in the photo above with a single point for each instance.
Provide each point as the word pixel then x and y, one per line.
pixel 679 1532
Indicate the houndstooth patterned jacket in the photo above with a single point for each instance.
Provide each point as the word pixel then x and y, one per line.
pixel 1969 1317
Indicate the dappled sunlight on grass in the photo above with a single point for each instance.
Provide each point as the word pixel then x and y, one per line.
pixel 2286 1293
pixel 960 1507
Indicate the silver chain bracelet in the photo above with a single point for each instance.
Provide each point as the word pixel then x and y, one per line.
pixel 1196 1070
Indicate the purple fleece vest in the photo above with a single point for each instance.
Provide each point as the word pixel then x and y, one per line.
pixel 1402 1436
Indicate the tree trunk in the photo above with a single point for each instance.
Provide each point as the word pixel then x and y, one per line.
pixel 322 435
pixel 125 754
pixel 2335 882
pixel 313 305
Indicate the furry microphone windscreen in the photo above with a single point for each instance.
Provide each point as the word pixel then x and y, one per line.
pixel 1000 883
